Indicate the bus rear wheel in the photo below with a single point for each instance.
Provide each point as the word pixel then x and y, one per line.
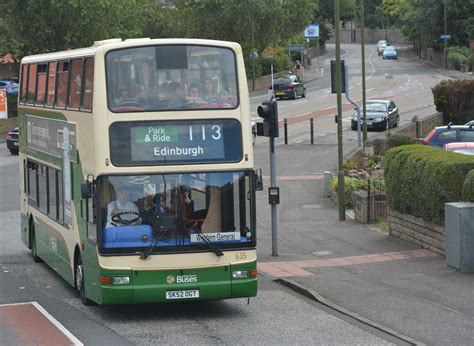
pixel 79 282
pixel 34 250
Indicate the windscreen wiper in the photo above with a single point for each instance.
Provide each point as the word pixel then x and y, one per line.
pixel 146 254
pixel 213 247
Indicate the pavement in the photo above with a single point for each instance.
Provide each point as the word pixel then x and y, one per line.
pixel 355 269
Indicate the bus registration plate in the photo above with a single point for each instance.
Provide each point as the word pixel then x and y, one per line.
pixel 182 294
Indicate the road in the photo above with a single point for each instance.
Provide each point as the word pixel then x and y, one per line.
pixel 278 315
pixel 408 83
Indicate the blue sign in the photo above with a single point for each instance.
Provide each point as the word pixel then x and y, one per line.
pixel 445 37
pixel 312 31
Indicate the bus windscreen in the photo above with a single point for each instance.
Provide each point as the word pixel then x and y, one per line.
pixel 171 77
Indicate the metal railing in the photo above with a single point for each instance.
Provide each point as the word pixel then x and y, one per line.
pixel 377 204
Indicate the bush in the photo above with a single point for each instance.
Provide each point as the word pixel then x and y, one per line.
pixel 454 98
pixel 459 56
pixel 468 188
pixel 350 185
pixel 420 179
pixel 401 139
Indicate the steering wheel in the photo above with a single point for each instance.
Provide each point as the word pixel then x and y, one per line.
pixel 117 218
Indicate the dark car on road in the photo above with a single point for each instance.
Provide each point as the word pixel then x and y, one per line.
pixel 289 86
pixel 381 114
pixel 12 141
pixel 442 135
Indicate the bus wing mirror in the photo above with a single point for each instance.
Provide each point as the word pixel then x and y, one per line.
pixel 86 190
pixel 258 179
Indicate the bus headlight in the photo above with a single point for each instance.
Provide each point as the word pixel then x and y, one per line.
pixel 240 274
pixel 121 280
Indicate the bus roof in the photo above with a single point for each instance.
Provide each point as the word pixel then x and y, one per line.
pixel 118 43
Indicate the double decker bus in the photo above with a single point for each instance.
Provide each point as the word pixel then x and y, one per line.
pixel 137 178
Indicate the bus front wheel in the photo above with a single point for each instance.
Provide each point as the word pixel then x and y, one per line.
pixel 79 280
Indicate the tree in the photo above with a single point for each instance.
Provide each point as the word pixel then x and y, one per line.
pixel 39 26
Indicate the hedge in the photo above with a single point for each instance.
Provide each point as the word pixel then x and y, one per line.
pixel 350 185
pixel 420 179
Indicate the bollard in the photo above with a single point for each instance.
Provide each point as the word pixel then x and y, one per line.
pixel 326 183
pixel 285 127
pixel 418 129
pixel 312 130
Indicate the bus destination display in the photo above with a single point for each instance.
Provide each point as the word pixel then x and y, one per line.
pixel 175 142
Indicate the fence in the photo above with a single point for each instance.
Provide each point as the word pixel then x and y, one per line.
pixel 376 202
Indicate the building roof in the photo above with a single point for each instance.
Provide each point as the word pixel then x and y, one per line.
pixel 6 58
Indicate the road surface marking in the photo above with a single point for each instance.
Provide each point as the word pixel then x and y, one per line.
pixel 295 268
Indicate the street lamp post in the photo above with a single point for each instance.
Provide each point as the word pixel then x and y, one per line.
pixel 362 43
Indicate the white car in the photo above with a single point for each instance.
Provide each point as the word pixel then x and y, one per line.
pixel 381 46
pixel 469 123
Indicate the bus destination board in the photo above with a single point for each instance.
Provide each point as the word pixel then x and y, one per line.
pixel 175 142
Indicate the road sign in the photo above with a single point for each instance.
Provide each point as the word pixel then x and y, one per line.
pixel 3 104
pixel 295 47
pixel 254 55
pixel 445 37
pixel 312 31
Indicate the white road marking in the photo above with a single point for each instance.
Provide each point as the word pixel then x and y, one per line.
pixel 58 325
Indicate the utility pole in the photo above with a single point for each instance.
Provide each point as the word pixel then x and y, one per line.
pixel 362 43
pixel 253 46
pixel 445 39
pixel 340 152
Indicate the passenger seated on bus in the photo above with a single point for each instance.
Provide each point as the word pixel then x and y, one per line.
pixel 139 93
pixel 223 98
pixel 122 96
pixel 122 211
pixel 194 99
pixel 182 91
pixel 209 91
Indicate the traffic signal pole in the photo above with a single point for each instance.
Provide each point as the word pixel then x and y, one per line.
pixel 269 112
pixel 273 205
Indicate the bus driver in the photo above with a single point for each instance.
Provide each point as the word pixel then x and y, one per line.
pixel 122 211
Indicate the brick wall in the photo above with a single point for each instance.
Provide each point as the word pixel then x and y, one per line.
pixel 416 231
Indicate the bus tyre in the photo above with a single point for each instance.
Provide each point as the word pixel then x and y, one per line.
pixel 34 251
pixel 79 282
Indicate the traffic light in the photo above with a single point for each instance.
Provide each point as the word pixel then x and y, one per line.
pixel 333 77
pixel 268 111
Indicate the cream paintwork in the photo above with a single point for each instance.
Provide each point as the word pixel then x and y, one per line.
pixel 175 261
